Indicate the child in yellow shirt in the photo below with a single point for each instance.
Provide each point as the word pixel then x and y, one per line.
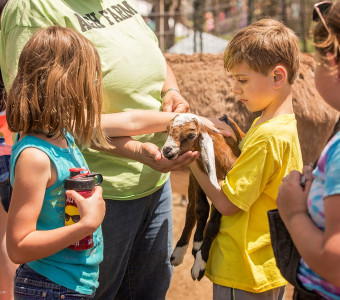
pixel 263 59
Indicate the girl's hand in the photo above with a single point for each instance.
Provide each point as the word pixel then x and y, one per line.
pixel 91 210
pixel 292 197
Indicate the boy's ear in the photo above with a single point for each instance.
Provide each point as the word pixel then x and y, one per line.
pixel 280 76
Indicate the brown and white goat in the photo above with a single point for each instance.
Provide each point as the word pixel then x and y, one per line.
pixel 186 132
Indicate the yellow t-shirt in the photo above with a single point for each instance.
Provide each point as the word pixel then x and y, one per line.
pixel 241 256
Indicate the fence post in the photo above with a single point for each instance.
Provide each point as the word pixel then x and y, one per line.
pixel 161 25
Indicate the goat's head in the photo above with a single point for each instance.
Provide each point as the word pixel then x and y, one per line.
pixel 186 133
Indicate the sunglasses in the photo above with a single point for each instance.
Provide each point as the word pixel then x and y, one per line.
pixel 320 9
pixel 75 218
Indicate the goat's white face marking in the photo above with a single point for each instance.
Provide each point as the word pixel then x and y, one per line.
pixel 182 119
pixel 170 149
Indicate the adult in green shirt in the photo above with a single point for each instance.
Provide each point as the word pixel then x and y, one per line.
pixel 137 228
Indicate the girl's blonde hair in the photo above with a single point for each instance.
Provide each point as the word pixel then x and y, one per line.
pixel 58 87
pixel 325 41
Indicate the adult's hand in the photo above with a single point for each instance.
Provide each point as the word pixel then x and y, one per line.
pixel 173 101
pixel 292 197
pixel 149 154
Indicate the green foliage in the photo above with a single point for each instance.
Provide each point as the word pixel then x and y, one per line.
pixel 309 46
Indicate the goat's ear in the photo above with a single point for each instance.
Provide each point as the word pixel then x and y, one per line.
pixel 208 157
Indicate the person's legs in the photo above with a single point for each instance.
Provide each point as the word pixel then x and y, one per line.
pixel 226 293
pixel 7 267
pixel 138 242
pixel 120 226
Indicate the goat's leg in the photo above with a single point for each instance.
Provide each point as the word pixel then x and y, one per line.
pixel 202 214
pixel 202 255
pixel 190 220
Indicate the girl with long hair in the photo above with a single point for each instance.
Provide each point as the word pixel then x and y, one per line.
pixel 57 91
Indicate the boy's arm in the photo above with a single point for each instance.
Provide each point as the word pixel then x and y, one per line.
pixel 245 182
pixel 135 122
pixel 217 197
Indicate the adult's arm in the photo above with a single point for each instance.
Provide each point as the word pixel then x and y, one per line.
pixel 136 122
pixel 173 101
pixel 148 154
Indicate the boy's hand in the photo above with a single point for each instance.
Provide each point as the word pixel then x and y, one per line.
pixel 292 197
pixel 92 209
pixel 218 126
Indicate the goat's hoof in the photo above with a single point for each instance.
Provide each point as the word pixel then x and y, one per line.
pixel 196 247
pixel 178 255
pixel 198 269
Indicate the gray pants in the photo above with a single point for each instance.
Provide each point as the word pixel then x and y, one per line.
pixel 226 293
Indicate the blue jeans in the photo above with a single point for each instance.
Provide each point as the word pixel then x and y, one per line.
pixel 138 241
pixel 30 285
pixel 5 185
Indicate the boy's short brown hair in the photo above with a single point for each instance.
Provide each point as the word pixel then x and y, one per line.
pixel 263 45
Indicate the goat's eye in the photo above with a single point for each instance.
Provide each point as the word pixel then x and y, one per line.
pixel 191 136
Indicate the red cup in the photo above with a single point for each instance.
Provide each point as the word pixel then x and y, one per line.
pixel 84 184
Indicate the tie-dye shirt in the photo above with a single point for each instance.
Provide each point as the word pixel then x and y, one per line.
pixel 326 183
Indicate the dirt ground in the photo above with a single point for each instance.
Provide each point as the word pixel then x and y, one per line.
pixel 182 286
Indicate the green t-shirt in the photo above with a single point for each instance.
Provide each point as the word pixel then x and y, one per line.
pixel 241 256
pixel 133 66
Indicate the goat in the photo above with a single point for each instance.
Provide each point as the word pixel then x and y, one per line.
pixel 186 132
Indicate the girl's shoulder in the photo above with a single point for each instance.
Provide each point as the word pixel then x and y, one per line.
pixel 30 164
pixel 34 157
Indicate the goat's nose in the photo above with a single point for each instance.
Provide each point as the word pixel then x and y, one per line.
pixel 166 151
